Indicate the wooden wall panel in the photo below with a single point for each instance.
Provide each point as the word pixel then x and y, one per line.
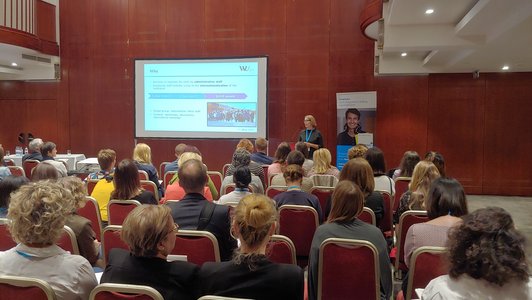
pixel 264 27
pixel 185 32
pixel 307 26
pixel 224 27
pixel 147 28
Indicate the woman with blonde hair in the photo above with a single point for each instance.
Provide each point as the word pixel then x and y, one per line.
pixel 322 164
pixel 250 274
pixel 37 214
pixel 142 158
pixel 150 234
pixel 414 199
pixel 343 222
pixel 311 136
pixel 174 191
pixel 127 184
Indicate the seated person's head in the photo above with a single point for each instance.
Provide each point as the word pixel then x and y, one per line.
pixel 408 162
pixel 358 150
pixel 35 145
pixel 302 147
pixel 282 152
pixel 8 185
pixel 38 213
pixel 322 160
pixel 142 153
pixel 347 202
pixel 246 144
pixel 107 159
pixel 192 176
pixel 242 177
pixel 295 158
pixel 261 144
pixel 126 180
pixel 437 159
pixel 293 174
pixel 375 158
pixel 241 157
pixel 188 156
pixel 75 186
pixel 2 153
pixel 150 231
pixel 49 149
pixel 446 197
pixel 487 246
pixel 359 171
pixel 44 171
pixel 179 149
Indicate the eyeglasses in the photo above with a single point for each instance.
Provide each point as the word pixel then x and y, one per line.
pixel 176 227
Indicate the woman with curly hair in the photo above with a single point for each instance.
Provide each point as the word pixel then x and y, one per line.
pixel 487 260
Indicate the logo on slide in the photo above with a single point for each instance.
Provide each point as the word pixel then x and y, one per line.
pixel 245 68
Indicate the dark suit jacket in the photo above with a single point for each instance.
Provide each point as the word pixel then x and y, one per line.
pixel 174 280
pixel 186 214
pixel 267 281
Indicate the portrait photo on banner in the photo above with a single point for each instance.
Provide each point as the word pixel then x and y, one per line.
pixel 355 122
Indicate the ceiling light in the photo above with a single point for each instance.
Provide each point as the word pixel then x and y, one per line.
pixel 14 64
pixel 404 54
pixel 429 11
pixel 504 68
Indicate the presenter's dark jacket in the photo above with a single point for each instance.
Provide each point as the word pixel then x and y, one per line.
pixel 343 138
pixel 186 214
pixel 174 280
pixel 267 281
pixel 314 137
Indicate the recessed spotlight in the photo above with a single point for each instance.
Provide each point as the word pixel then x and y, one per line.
pixel 404 54
pixel 504 68
pixel 14 64
pixel 429 11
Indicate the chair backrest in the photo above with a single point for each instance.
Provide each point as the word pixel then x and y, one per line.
pixel 16 171
pixel 270 178
pixel 266 177
pixel 91 183
pixel 16 287
pixel 167 177
pixel 224 169
pixel 214 297
pixel 91 211
pixel 228 188
pixel 407 219
pixel 143 175
pixel 68 241
pixel 298 223
pixel 401 186
pixel 274 190
pixel 347 268
pixel 162 167
pixel 150 186
pixel 6 242
pixel 426 264
pixel 117 210
pixel 367 215
pixel 217 179
pixel 28 166
pixel 323 193
pixel 281 250
pixel 111 239
pixel 9 162
pixel 324 180
pixel 386 223
pixel 199 246
pixel 119 291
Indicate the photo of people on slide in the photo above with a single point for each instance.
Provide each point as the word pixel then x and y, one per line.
pixel 231 114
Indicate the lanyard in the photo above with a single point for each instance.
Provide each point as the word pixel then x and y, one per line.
pixel 308 134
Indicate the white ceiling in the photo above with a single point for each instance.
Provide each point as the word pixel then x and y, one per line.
pixel 460 36
pixel 26 69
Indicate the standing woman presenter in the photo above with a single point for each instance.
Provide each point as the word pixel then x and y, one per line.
pixel 310 135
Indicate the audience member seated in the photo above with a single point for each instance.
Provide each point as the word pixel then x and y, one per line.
pixel 4 171
pixel 260 157
pixel 445 203
pixel 294 158
pixel 359 150
pixel 44 172
pixel 38 213
pixel 245 144
pixel 241 179
pixel 406 167
pixel 49 151
pixel 414 199
pixel 280 159
pixel 127 184
pixel 375 158
pixel 309 163
pixel 322 164
pixel 7 186
pixel 250 274
pixel 142 158
pixel 174 191
pixel 105 186
pixel 343 222
pixel 437 159
pixel 171 167
pixel 150 234
pixel 34 150
pixel 194 212
pixel 293 175
pixel 89 246
pixel 242 157
pixel 487 259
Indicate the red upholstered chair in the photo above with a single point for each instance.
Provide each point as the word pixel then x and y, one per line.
pixel 224 169
pixel 274 190
pixel 407 219
pixel 6 242
pixel 150 186
pixel 143 175
pixel 111 239
pixel 28 166
pixel 118 291
pixel 323 193
pixel 348 269
pixel 266 178
pixel 401 186
pixel 426 264
pixel 16 171
pixel 9 162
pixel 68 241
pixel 16 287
pixel 91 183
pixel 198 246
pixel 386 224
pixel 117 210
pixel 162 167
pixel 228 188
pixel 368 216
pixel 299 223
pixel 217 179
pixel 324 180
pixel 91 211
pixel 167 177
pixel 281 250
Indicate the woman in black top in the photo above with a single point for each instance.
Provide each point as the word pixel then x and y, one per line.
pixel 311 136
pixel 127 184
pixel 351 128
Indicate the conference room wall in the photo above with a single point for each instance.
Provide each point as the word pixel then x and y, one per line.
pixel 315 49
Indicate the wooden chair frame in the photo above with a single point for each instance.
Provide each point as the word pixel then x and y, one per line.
pixel 125 289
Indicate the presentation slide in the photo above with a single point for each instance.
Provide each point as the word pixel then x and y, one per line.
pixel 204 98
